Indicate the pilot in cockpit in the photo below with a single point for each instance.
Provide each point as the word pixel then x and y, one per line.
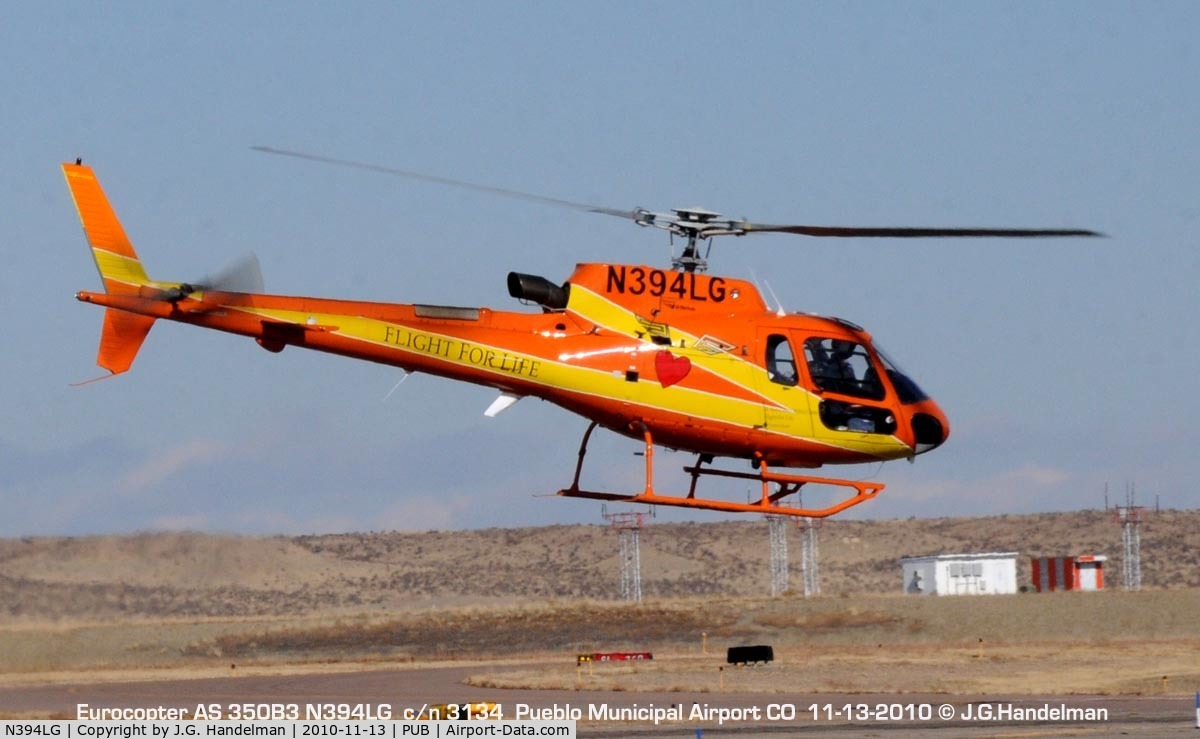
pixel 840 366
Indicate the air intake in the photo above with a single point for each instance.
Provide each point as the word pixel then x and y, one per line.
pixel 538 290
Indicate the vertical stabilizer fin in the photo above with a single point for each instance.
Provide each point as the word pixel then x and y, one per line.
pixel 116 260
pixel 119 267
pixel 121 339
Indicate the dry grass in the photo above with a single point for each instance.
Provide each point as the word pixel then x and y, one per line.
pixel 466 632
pixel 1032 669
pixel 1056 643
pixel 838 620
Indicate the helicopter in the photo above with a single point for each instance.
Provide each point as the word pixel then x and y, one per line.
pixel 674 358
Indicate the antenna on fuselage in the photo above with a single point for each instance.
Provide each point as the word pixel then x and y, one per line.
pixel 779 311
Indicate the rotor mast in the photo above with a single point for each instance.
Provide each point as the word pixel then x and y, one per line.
pixel 694 225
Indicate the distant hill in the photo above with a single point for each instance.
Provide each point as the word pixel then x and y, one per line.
pixel 193 574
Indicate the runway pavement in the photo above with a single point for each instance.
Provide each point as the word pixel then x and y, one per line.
pixel 407 691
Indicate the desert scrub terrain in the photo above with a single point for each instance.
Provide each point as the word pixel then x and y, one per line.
pixel 192 575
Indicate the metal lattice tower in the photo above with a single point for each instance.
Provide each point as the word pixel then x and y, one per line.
pixel 1130 517
pixel 777 525
pixel 629 525
pixel 631 565
pixel 808 555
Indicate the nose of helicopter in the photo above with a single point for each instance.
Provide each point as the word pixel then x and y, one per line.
pixel 930 427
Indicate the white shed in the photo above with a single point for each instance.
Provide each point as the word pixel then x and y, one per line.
pixel 960 574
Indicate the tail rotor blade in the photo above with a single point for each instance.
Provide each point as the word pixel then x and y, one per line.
pixel 243 275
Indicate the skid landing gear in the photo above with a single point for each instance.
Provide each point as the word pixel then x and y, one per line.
pixel 771 502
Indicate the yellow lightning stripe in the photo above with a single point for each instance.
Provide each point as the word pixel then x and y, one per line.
pixel 607 314
pixel 502 362
pixel 446 348
pixel 618 319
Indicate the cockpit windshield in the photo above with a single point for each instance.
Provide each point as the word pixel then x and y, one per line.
pixel 907 390
pixel 842 366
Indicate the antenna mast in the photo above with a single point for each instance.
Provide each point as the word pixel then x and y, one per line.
pixel 629 525
pixel 1130 517
pixel 777 526
pixel 808 555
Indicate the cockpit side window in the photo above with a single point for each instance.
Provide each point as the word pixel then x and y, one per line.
pixel 842 366
pixel 781 362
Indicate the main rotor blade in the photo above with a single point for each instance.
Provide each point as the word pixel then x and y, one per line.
pixel 917 233
pixel 504 192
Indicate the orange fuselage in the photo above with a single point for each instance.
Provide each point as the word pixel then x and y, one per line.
pixel 683 355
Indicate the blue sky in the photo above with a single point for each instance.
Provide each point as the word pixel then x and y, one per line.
pixel 1063 364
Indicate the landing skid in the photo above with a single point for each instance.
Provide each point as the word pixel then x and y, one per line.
pixel 770 503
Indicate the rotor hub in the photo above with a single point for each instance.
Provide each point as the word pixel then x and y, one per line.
pixel 694 225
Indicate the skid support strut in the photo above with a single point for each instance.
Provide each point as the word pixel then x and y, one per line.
pixel 771 501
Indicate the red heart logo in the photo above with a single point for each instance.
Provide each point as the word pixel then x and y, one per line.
pixel 670 368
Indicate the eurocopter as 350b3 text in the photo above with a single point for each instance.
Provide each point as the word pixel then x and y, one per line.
pixel 675 358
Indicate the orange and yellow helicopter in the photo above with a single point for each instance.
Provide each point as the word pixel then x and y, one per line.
pixel 670 357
